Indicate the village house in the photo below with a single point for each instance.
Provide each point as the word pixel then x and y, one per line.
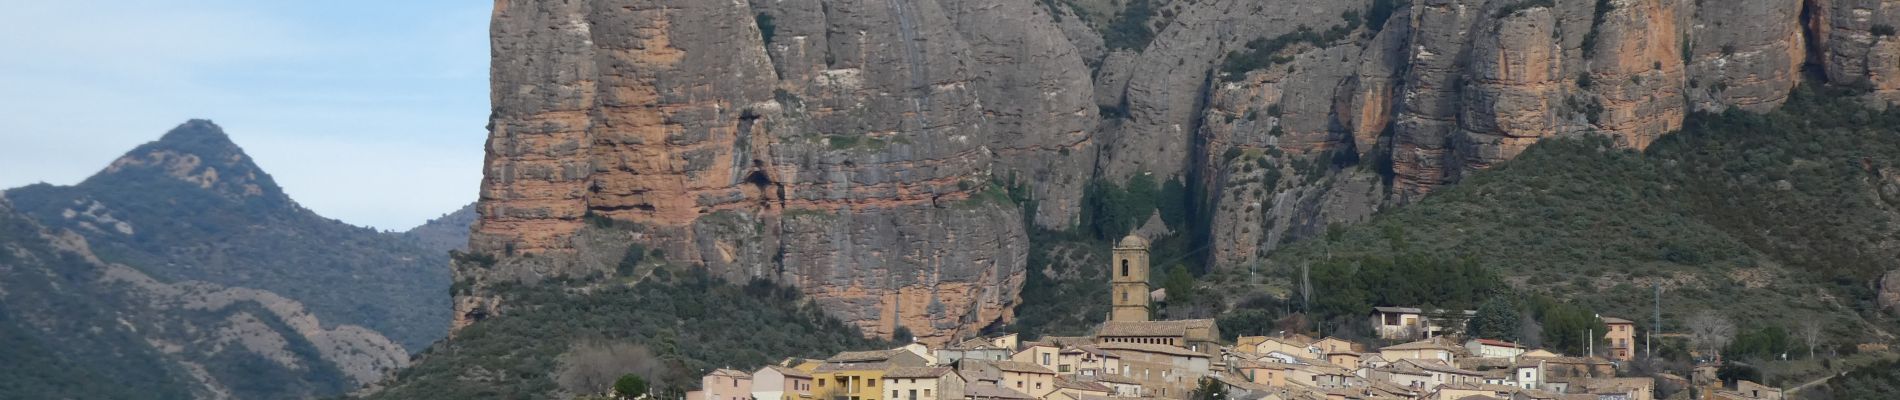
pixel 1746 390
pixel 1444 373
pixel 1621 337
pixel 1039 353
pixel 1120 385
pixel 1347 359
pixel 1027 377
pixel 1408 323
pixel 993 392
pixel 1490 348
pixel 1086 360
pixel 1428 349
pixel 987 349
pixel 1331 345
pixel 1161 369
pixel 1616 388
pixel 776 382
pixel 1261 372
pixel 723 384
pixel 923 383
pixel 1070 389
pixel 1403 375
pixel 854 375
pixel 1265 344
pixel 1321 375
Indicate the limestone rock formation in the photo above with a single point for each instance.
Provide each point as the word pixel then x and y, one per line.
pixel 811 141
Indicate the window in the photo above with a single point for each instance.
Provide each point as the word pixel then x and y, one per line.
pixel 872 383
pixel 1045 359
pixel 1124 267
pixel 1019 384
pixel 913 393
pixel 821 382
pixel 1038 385
pixel 893 393
pixel 735 383
pixel 926 392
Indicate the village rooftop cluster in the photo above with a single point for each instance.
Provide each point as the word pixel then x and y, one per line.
pixel 1132 357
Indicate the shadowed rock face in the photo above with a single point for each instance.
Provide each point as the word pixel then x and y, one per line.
pixel 848 146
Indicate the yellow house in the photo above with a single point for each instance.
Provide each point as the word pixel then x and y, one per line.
pixel 854 375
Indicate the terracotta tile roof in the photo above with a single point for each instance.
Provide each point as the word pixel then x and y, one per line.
pixel 1117 378
pixel 1152 328
pixel 1426 344
pixel 1616 321
pixel 1150 348
pixel 864 366
pixel 729 373
pixel 1018 366
pixel 1066 383
pixel 1499 343
pixel 789 372
pixel 864 356
pixel 994 392
pixel 1439 366
pixel 917 372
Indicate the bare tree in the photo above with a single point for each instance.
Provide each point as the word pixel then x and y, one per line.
pixel 1712 331
pixel 591 367
pixel 1810 334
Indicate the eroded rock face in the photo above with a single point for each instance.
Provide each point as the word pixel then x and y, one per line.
pixel 1857 43
pixel 681 122
pixel 1890 291
pixel 851 147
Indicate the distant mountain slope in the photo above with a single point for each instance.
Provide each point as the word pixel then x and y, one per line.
pixel 445 233
pixel 193 207
pixel 74 326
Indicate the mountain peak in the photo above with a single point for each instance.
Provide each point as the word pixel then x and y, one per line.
pixel 196 153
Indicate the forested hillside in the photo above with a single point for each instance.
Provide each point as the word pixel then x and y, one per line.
pixel 1757 217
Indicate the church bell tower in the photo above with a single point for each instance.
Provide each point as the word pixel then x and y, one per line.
pixel 1129 280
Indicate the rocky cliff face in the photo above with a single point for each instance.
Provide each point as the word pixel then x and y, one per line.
pixel 848 147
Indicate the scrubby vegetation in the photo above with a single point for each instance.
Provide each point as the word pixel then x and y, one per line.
pixel 687 321
pixel 1755 216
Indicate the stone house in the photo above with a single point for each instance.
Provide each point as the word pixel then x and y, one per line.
pixel 1616 388
pixel 1027 377
pixel 987 349
pixel 1086 360
pixel 923 383
pixel 1039 353
pixel 1162 370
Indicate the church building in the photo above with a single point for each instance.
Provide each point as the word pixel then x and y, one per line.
pixel 1128 320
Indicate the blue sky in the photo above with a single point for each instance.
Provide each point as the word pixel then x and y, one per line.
pixel 371 112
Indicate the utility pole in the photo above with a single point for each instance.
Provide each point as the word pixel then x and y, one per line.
pixel 1649 347
pixel 1587 335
